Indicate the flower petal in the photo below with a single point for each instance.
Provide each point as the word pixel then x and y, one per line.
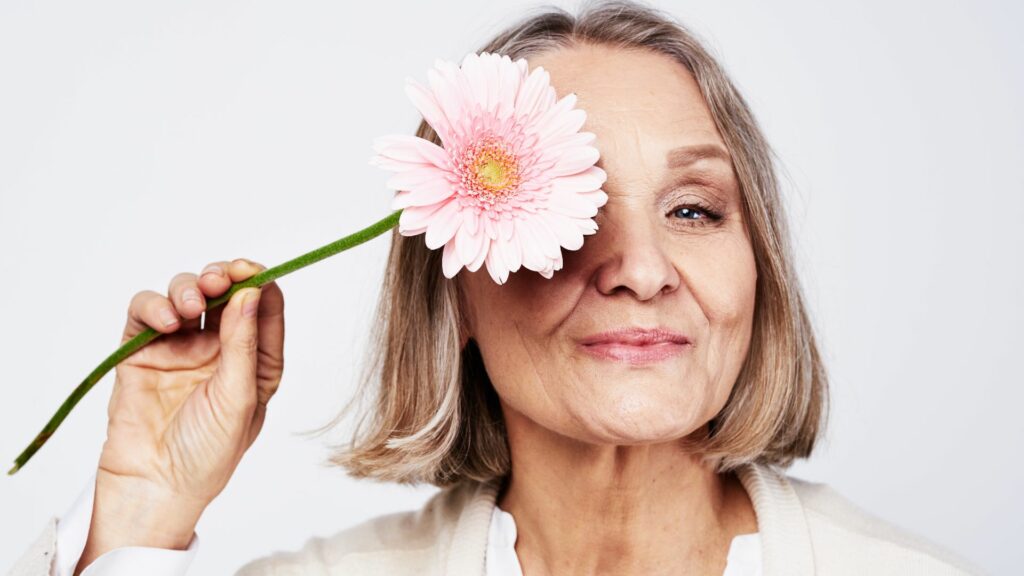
pixel 443 224
pixel 590 179
pixel 467 244
pixel 533 256
pixel 563 228
pixel 411 149
pixel 424 194
pixel 575 160
pixel 496 268
pixel 560 121
pixel 510 253
pixel 573 205
pixel 476 80
pixel 485 248
pixel 424 101
pixel 415 176
pixel 548 242
pixel 450 264
pixel 511 78
pixel 444 82
pixel 416 218
pixel 535 91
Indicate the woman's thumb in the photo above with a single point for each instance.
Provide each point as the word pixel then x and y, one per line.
pixel 239 339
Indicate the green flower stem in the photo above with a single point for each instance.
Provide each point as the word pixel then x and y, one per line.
pixel 149 334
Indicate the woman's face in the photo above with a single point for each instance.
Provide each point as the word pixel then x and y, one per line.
pixel 659 259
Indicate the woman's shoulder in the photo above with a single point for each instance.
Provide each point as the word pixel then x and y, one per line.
pixel 847 538
pixel 408 542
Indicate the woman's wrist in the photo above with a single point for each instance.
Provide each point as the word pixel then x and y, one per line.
pixel 130 512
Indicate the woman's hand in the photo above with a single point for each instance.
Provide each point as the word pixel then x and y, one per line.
pixel 185 407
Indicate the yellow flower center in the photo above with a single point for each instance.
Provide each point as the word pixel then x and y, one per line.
pixel 490 172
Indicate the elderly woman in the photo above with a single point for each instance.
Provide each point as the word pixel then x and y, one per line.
pixel 630 415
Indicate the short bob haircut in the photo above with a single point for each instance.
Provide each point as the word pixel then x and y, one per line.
pixel 434 416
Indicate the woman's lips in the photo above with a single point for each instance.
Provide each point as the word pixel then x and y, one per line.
pixel 636 344
pixel 635 354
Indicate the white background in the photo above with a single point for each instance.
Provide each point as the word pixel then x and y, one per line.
pixel 138 140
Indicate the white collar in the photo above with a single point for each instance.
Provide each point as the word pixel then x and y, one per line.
pixel 785 538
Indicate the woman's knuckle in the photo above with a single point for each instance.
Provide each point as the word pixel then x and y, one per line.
pixel 161 312
pixel 213 268
pixel 139 299
pixel 179 282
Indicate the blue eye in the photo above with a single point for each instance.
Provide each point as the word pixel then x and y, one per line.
pixel 688 212
pixel 696 214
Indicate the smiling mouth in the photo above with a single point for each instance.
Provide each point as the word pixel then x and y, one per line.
pixel 617 351
pixel 635 344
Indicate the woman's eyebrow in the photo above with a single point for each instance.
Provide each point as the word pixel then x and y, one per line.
pixel 686 155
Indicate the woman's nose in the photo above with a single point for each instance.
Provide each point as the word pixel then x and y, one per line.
pixel 633 257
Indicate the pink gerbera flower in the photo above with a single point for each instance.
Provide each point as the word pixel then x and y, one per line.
pixel 515 180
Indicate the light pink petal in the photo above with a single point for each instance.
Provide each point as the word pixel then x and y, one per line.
pixel 533 256
pixel 511 79
pixel 424 101
pixel 574 161
pixel 476 81
pixel 411 149
pixel 548 242
pixel 472 221
pixel 531 96
pixel 585 181
pixel 450 264
pixel 597 197
pixel 505 228
pixel 467 244
pixel 443 224
pixel 417 175
pixel 490 227
pixel 510 253
pixel 587 226
pixel 560 121
pixel 552 266
pixel 417 217
pixel 556 148
pixel 492 80
pixel 563 228
pixel 389 164
pixel 444 82
pixel 478 260
pixel 573 205
pixel 424 194
pixel 496 268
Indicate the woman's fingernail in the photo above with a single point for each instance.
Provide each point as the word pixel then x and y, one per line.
pixel 168 317
pixel 190 295
pixel 251 303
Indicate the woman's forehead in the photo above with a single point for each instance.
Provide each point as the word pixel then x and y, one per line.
pixel 638 102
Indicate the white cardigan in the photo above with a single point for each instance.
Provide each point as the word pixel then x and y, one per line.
pixel 805 528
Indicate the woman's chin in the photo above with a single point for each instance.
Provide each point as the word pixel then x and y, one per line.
pixel 629 427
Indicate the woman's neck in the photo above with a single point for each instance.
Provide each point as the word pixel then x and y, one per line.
pixel 585 509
